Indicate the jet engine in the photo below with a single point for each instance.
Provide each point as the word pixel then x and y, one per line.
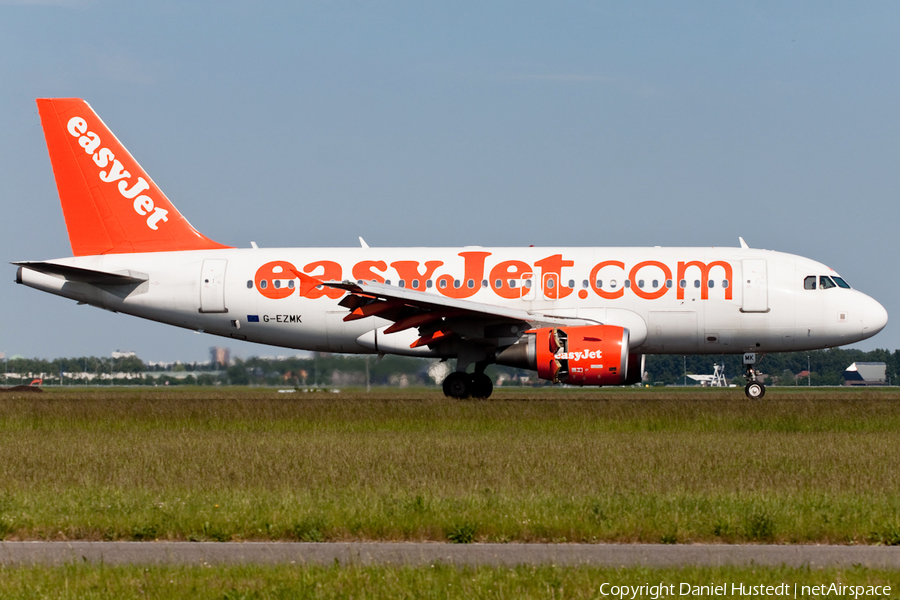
pixel 584 355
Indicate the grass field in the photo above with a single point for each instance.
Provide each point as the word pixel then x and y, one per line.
pixel 246 583
pixel 801 466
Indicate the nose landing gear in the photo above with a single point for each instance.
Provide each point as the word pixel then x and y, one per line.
pixel 754 389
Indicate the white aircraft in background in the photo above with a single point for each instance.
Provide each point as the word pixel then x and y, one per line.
pixel 581 316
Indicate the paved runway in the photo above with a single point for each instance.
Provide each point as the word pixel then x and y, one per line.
pixel 408 553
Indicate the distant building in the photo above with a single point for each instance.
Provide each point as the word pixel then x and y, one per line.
pixel 120 354
pixel 219 356
pixel 866 373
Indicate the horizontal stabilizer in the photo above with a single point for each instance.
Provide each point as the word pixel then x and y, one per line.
pixel 90 276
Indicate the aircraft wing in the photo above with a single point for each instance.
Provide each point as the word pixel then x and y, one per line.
pixel 438 317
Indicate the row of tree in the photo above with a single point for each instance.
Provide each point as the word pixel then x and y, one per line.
pixel 824 367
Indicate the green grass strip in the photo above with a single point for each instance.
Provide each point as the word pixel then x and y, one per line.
pixel 436 581
pixel 570 465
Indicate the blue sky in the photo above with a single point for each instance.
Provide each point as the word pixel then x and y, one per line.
pixel 464 123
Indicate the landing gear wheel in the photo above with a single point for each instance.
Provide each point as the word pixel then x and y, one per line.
pixel 481 386
pixel 755 390
pixel 457 385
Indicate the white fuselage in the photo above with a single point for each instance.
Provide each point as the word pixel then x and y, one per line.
pixel 672 300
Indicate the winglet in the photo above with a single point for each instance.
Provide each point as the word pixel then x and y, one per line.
pixel 110 204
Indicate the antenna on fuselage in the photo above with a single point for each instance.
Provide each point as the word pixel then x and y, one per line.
pixel 743 243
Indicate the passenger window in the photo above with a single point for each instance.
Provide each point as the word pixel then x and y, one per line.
pixel 599 283
pixel 841 283
pixel 443 283
pixel 291 284
pixel 387 282
pixel 655 283
pixel 612 283
pixel 641 283
pixel 724 283
pixel 628 283
pixel 403 283
pixel 528 283
pixel 456 283
pixel 415 284
pixel 825 282
pixel 250 285
pixel 711 284
pixel 484 283
pixel 585 284
pixel 550 284
pixel 696 283
pixel 263 284
pixel 498 284
pixel 277 283
pixel 429 283
pixel 512 283
pixel 682 284
pixel 572 284
pixel 809 283
pixel 470 283
pixel 669 283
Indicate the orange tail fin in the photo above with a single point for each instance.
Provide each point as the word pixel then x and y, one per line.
pixel 110 204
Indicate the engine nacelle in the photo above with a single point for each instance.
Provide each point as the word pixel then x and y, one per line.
pixel 588 355
pixel 584 355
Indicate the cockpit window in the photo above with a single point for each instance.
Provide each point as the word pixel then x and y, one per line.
pixel 841 283
pixel 809 283
pixel 825 282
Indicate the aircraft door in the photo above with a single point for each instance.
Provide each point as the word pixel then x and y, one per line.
pixel 755 286
pixel 550 286
pixel 212 286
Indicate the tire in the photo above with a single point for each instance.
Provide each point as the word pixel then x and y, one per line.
pixel 457 385
pixel 481 386
pixel 755 390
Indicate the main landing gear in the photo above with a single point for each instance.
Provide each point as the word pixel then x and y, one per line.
pixel 462 385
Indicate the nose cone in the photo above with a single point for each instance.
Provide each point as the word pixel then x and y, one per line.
pixel 875 317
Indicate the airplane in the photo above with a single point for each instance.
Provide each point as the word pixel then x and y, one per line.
pixel 577 316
